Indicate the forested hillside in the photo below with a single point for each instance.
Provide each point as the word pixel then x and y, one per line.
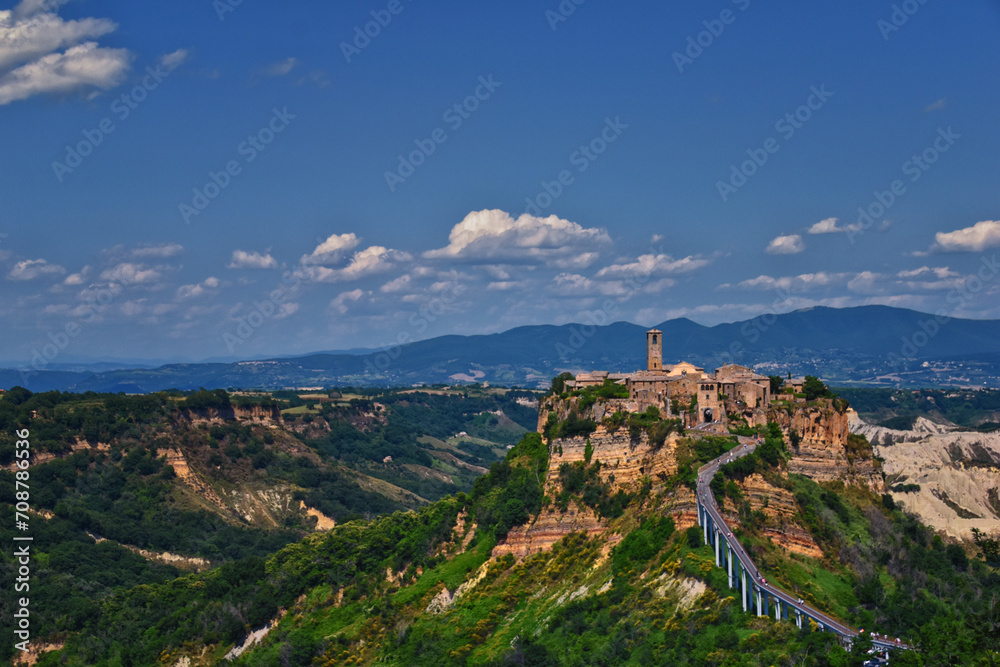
pixel 898 408
pixel 130 490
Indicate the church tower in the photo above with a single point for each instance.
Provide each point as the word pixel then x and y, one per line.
pixel 654 350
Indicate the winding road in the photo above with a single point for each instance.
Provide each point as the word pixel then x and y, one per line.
pixel 750 581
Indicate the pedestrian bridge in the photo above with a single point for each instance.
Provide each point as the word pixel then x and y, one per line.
pixel 756 594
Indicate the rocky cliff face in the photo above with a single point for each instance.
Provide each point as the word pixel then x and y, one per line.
pixel 562 408
pixel 780 510
pixel 255 414
pixel 624 463
pixel 825 452
pixel 958 473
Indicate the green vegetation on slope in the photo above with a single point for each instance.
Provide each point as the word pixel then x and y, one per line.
pixel 124 492
pixel 898 408
pixel 883 570
pixel 362 432
pixel 386 590
pixel 136 626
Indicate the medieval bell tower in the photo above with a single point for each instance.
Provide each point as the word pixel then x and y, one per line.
pixel 654 350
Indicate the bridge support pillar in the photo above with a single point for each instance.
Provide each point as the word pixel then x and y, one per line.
pixel 704 525
pixel 777 609
pixel 743 590
pixel 718 542
pixel 798 619
pixel 729 564
pixel 760 602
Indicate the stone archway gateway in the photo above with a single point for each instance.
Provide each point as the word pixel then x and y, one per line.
pixel 708 414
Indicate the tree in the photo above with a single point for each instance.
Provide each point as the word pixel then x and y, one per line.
pixel 989 548
pixel 777 382
pixel 814 388
pixel 718 485
pixel 794 438
pixel 18 395
pixel 559 383
pixel 859 649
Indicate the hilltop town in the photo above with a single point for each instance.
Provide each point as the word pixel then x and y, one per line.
pixel 687 391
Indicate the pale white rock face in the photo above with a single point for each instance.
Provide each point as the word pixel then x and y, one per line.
pixel 958 473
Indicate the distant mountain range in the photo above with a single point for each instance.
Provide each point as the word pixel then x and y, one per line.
pixel 868 345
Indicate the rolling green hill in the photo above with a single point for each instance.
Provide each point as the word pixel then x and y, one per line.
pixel 136 490
pixel 441 585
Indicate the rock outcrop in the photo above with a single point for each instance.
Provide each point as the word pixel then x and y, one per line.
pixel 958 473
pixel 596 411
pixel 624 463
pixel 825 451
pixel 779 506
pixel 253 414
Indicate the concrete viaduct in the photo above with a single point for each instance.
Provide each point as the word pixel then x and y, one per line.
pixel 764 598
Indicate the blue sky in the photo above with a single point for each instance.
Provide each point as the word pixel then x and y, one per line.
pixel 198 179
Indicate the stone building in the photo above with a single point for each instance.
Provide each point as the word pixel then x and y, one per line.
pixel 683 389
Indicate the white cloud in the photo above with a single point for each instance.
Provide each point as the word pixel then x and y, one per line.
pixel 77 278
pixel 371 260
pixel 497 271
pixel 863 282
pixel 172 61
pixel 28 33
pixel 340 302
pixel 332 250
pixel 29 269
pixel 128 273
pixel 940 272
pixel 867 282
pixel 576 262
pixel 397 285
pixel 83 66
pixel 252 260
pixel 800 283
pixel 575 285
pixel 163 250
pixel 830 226
pixel 786 245
pixel 133 308
pixel 198 289
pixel 450 286
pixel 495 234
pixel 506 285
pixel 657 286
pixel 932 285
pixel 42 53
pixel 280 68
pixel 979 237
pixel 653 265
